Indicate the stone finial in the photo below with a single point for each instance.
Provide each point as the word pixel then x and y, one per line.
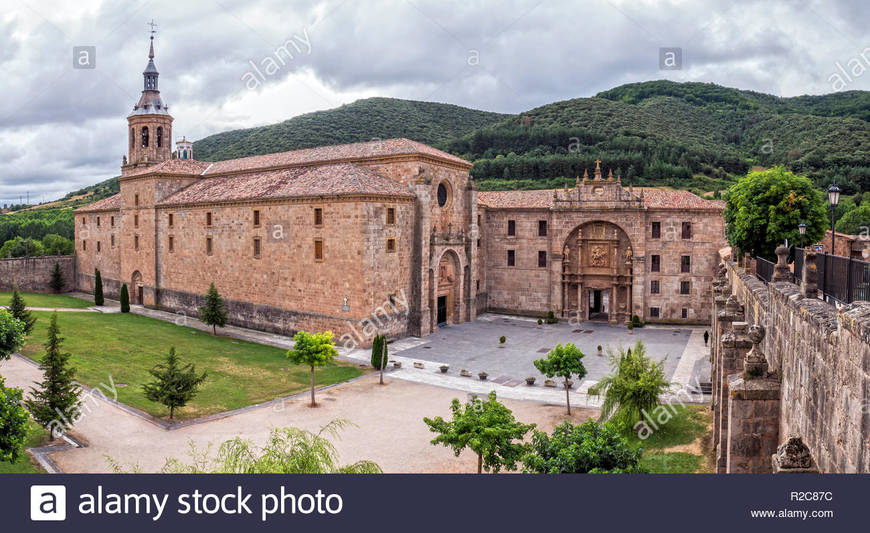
pixel 781 272
pixel 793 456
pixel 610 175
pixel 755 364
pixel 809 275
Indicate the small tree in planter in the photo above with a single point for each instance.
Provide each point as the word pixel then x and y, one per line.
pixel 488 428
pixel 540 322
pixel 563 361
pixel 98 288
pixel 501 341
pixel 599 351
pixel 125 299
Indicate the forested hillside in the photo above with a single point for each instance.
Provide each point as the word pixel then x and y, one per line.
pixel 364 120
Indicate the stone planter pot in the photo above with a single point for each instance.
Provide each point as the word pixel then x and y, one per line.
pixel 549 383
pixel 530 381
pixel 397 364
pixel 482 376
pixel 444 369
pixel 418 364
pixel 465 373
pixel 600 353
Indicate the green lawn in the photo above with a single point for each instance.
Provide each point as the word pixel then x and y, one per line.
pixel 686 425
pixel 35 299
pixel 36 436
pixel 124 347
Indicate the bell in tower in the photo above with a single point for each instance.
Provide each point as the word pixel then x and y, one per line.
pixel 150 124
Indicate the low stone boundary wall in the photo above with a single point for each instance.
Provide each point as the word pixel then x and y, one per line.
pixel 33 274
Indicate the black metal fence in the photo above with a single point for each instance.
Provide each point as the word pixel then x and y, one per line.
pixel 841 279
pixel 763 269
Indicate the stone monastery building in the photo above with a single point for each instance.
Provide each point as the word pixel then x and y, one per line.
pixel 388 236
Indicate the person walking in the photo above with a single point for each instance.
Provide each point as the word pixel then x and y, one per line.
pixel 706 337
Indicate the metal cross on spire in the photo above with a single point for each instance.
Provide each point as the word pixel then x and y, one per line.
pixel 153 27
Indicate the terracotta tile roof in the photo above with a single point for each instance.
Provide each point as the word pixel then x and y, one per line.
pixel 653 198
pixel 299 182
pixel 112 203
pixel 172 166
pixel 340 152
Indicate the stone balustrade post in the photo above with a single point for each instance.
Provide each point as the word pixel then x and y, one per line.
pixel 793 457
pixel 734 345
pixel 781 271
pixel 810 275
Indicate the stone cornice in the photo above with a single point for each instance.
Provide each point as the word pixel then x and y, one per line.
pixel 294 200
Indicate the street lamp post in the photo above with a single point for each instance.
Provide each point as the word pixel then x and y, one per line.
pixel 833 199
pixel 802 229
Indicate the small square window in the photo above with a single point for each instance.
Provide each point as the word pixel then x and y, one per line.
pixel 654 312
pixel 654 286
pixel 511 258
pixel 208 218
pixel 318 216
pixel 391 245
pixel 256 247
pixel 656 230
pixel 171 220
pixel 512 227
pixel 542 259
pixel 685 287
pixel 391 215
pixel 208 246
pixel 256 218
pixel 318 250
pixel 655 264
pixel 171 243
pixel 542 228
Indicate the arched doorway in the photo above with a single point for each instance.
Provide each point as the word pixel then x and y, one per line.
pixel 136 288
pixel 596 272
pixel 447 290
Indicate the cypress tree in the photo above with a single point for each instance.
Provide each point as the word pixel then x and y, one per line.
pixel 19 310
pixel 380 354
pixel 57 282
pixel 55 402
pixel 125 299
pixel 98 288
pixel 213 313
pixel 174 385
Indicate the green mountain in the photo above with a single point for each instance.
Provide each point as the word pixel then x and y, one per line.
pixel 697 136
pixel 363 120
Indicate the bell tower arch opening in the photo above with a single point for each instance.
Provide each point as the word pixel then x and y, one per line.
pixel 597 272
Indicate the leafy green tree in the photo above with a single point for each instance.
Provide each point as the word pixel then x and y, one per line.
pixel 380 354
pixel 13 423
pixel 57 283
pixel 588 448
pixel 19 310
pixel 54 244
pixel 174 384
pixel 312 349
pixel 289 450
pixel 765 207
pixel 487 428
pixel 125 299
pixel 21 247
pixel 634 386
pixel 11 334
pixel 55 402
pixel 213 313
pixel 856 221
pixel 563 361
pixel 98 288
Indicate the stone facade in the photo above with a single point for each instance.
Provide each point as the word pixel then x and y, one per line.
pixel 34 273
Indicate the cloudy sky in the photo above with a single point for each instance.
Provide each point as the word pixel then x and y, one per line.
pixel 62 128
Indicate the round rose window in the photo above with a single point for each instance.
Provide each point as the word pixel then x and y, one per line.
pixel 442 195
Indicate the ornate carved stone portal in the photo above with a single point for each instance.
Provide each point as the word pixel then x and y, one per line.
pixel 596 273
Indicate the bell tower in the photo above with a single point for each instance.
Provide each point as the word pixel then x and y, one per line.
pixel 149 126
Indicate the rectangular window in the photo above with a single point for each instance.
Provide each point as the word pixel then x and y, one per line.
pixel 542 228
pixel 171 243
pixel 112 221
pixel 685 313
pixel 656 230
pixel 478 285
pixel 391 245
pixel 208 218
pixel 318 216
pixel 654 286
pixel 113 241
pixel 99 248
pixel 391 215
pixel 478 243
pixel 208 246
pixel 135 221
pixel 84 221
pixel 318 250
pixel 256 247
pixel 512 227
pixel 256 218
pixel 511 258
pixel 98 222
pixel 136 200
pixel 685 263
pixel 136 243
pixel 685 287
pixel 84 245
pixel 542 259
pixel 171 220
pixel 654 312
pixel 687 230
pixel 655 264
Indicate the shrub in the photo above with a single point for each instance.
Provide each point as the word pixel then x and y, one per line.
pixel 599 348
pixel 588 448
pixel 98 288
pixel 551 317
pixel 540 321
pixel 380 351
pixel 502 339
pixel 636 322
pixel 125 299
